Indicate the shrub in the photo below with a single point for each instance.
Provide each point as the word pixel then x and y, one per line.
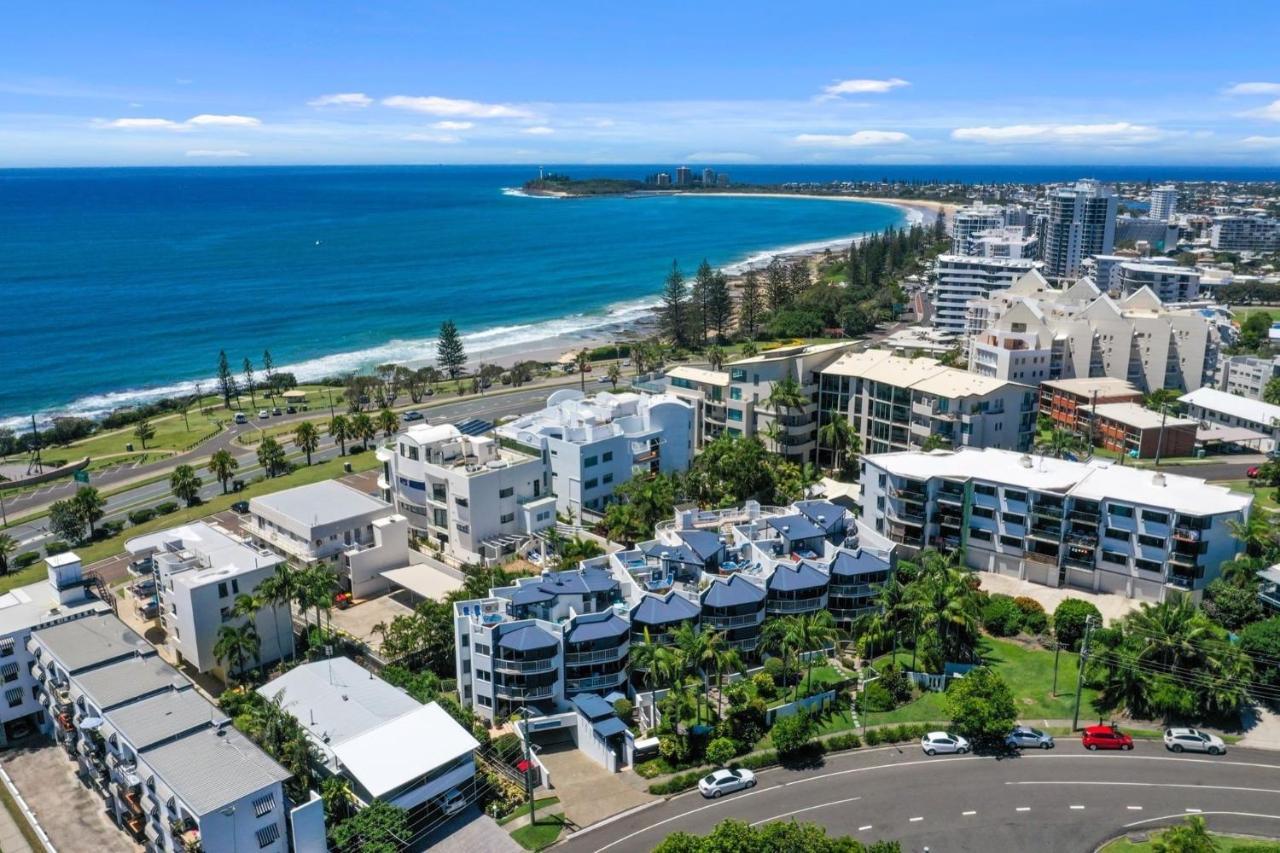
pixel 873 737
pixel 113 527
pixel 448 685
pixel 624 709
pixel 840 742
pixel 673 748
pixel 792 734
pixel 758 760
pixel 773 667
pixel 649 769
pixel 1069 618
pixel 166 508
pixel 895 680
pixel 721 750
pixel 676 784
pixel 766 687
pixel 25 559
pixel 1034 619
pixel 57 546
pixel 875 697
pixel 141 516
pixel 1001 616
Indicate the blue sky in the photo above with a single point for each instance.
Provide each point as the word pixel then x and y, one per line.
pixel 164 83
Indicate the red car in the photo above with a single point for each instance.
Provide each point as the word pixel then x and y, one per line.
pixel 1252 473
pixel 1106 737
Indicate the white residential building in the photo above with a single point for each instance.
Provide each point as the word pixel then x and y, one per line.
pixel 388 745
pixel 1239 233
pixel 199 571
pixel 1008 242
pixel 62 597
pixel 473 498
pixel 970 221
pixel 960 279
pixel 1164 202
pixel 1218 407
pixel 330 520
pixel 1095 526
pixel 896 403
pixel 595 444
pixel 1081 222
pixel 1170 282
pixel 169 765
pixel 1248 375
pixel 1104 270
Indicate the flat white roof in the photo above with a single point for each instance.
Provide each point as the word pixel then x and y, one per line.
pixel 224 553
pixel 1244 408
pixel 1094 480
pixel 424 580
pixel 1138 417
pixel 927 375
pixel 405 748
pixel 1086 385
pixel 316 504
pixel 25 607
pixel 698 374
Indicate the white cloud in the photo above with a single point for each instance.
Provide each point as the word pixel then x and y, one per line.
pixel 1253 89
pixel 1120 132
pixel 207 120
pixel 142 124
pixel 1261 141
pixel 538 130
pixel 862 87
pixel 434 105
pixel 454 125
pixel 720 157
pixel 860 139
pixel 439 138
pixel 215 153
pixel 1270 112
pixel 341 99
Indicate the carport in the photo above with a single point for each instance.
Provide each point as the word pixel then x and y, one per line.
pixel 419 582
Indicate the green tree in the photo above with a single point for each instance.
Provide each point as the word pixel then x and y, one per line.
pixel 450 353
pixel 582 361
pixel 65 521
pixel 776 292
pixel 719 304
pixel 226 381
pixel 275 592
pixel 377 828
pixel 340 429
pixel 1261 642
pixel 235 647
pixel 1068 621
pixel 1190 837
pixel 792 734
pixel 749 308
pixel 783 639
pixel 271 456
pixel 363 428
pixel 7 546
pixel 90 505
pixel 144 432
pixel 700 300
pixel 1232 605
pixel 306 436
pixel 981 706
pixel 640 504
pixel 672 314
pixel 935 442
pixel 785 396
pixel 715 356
pixel 721 751
pixel 727 472
pixel 222 465
pixel 838 436
pixel 816 631
pixel 614 374
pixel 248 382
pixel 1254 330
pixel 269 370
pixel 387 422
pixel 1271 393
pixel 185 484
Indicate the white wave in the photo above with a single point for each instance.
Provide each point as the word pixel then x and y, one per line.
pixel 519 193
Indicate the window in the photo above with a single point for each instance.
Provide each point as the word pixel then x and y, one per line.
pixel 1113 557
pixel 507 492
pixel 268 835
pixel 983 512
pixel 982 535
pixel 590 484
pixel 462 502
pixel 263 805
pixel 1155 517
pixel 235 587
pixel 1112 533
pixel 14 696
pixel 9 672
pixel 1011 541
pixel 607 478
pixel 1014 518
pixel 734 414
pixel 1151 541
pixel 984 489
pixel 590 461
pixel 508 518
pixel 607 456
pixel 1121 510
pixel 483 675
pixel 1011 495
pixel 6 647
pixel 1148 565
pixel 481 648
pixel 484 701
pixel 464 528
pixel 735 393
pixel 222 590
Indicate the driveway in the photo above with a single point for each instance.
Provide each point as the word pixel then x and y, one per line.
pixel 470 832
pixel 358 620
pixel 1112 607
pixel 73 816
pixel 587 791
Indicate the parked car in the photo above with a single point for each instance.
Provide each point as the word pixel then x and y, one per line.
pixel 1025 737
pixel 943 742
pixel 452 802
pixel 721 782
pixel 241 507
pixel 292 410
pixel 411 416
pixel 1193 740
pixel 1106 737
pixel 1253 472
pixel 19 730
pixel 275 413
pixel 241 418
pixel 264 415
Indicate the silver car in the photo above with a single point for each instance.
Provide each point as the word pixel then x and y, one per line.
pixel 943 742
pixel 721 782
pixel 1193 740
pixel 1025 737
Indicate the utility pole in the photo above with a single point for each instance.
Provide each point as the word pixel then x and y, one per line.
pixel 528 765
pixel 331 414
pixel 1084 656
pixel 1057 647
pixel 1164 413
pixel 1093 419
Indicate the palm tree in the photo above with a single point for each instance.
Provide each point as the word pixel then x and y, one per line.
pixel 247 605
pixel 749 349
pixel 89 505
pixel 614 374
pixel 185 484
pixel 144 431
pixel 781 637
pixel 223 465
pixel 7 546
pixel 1174 633
pixel 387 423
pixel 582 361
pixel 275 592
pixel 307 436
pixel 947 605
pixel 816 631
pixel 726 659
pixel 1257 534
pixel 690 647
pixel 363 428
pixel 235 645
pixel 785 395
pixel 715 356
pixel 340 429
pixel 774 432
pixel 840 438
pixel 271 456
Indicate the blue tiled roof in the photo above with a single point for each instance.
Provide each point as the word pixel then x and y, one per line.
pixel 569 582
pixel 678 553
pixel 597 626
pixel 798 527
pixel 527 638
pixel 664 609
pixel 787 578
pixel 530 593
pixel 703 542
pixel 591 706
pixel 857 562
pixel 736 590
pixel 609 727
pixel 833 515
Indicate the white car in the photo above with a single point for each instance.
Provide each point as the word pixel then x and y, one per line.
pixel 942 742
pixel 721 782
pixel 452 802
pixel 1193 740
pixel 264 415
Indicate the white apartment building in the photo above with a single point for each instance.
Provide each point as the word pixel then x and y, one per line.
pixel 960 279
pixel 1095 526
pixel 1008 242
pixel 595 444
pixel 1035 331
pixel 896 403
pixel 471 497
pixel 1248 375
pixel 329 520
pixel 1081 222
pixel 172 770
pixel 1218 407
pixel 736 400
pixel 1104 270
pixel 1164 202
pixel 199 570
pixel 1170 282
pixel 967 222
pixel 1239 233
pixel 64 596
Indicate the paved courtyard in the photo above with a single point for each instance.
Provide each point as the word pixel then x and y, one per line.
pixel 1112 607
pixel 358 621
pixel 587 791
pixel 74 817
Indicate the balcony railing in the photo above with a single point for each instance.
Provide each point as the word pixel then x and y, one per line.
pixel 602 656
pixel 1186 534
pixel 800 605
pixel 1037 557
pixel 596 682
pixel 508 691
pixel 746 645
pixel 733 621
pixel 524 666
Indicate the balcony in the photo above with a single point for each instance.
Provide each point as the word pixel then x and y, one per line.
pixel 1043 510
pixel 724 622
pixel 1179 559
pixel 1081 516
pixel 1077 563
pixel 1037 557
pixel 798 605
pixel 528 694
pixel 1186 534
pixel 746 645
pixel 595 682
pixel 1045 534
pixel 524 666
pixel 909 516
pixel 602 656
pixel 951 498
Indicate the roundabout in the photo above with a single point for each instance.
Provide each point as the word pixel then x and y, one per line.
pixel 1066 799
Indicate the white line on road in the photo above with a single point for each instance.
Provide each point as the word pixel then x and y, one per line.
pixel 1180 814
pixel 1023 808
pixel 806 809
pixel 712 805
pixel 915 819
pixel 1192 811
pixel 1157 785
pixel 864 828
pixel 1134 808
pixel 968 813
pixel 1077 808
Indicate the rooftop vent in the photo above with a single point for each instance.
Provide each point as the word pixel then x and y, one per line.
pixel 1026 461
pixel 1158 479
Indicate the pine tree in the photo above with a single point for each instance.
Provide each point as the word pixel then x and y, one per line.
pixel 749 306
pixel 798 278
pixel 449 350
pixel 776 285
pixel 226 381
pixel 248 382
pixel 269 369
pixel 719 304
pixel 673 313
pixel 703 282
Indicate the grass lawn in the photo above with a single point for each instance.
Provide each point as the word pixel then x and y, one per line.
pixel 1226 843
pixel 1263 497
pixel 537 836
pixel 1242 313
pixel 524 810
pixel 171 435
pixel 95 551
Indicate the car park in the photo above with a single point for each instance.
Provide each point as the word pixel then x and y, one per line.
pixel 723 781
pixel 1025 737
pixel 241 418
pixel 1193 740
pixel 263 415
pixel 943 742
pixel 1105 737
pixel 241 507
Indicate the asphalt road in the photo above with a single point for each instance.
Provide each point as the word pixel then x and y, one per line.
pixel 1065 800
pixel 33 534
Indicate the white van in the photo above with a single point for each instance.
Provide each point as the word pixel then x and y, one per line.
pixel 241 418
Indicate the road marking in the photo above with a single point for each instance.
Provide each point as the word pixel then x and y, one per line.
pixel 1077 808
pixel 864 828
pixel 1158 785
pixel 916 819
pixel 1192 811
pixel 1023 808
pixel 806 809
pixel 1134 808
pixel 968 813
pixel 1180 814
pixel 710 805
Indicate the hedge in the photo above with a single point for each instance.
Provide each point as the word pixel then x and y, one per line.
pixel 57 546
pixel 25 559
pixel 166 508
pixel 142 516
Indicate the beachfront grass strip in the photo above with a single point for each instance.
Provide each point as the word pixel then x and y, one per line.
pixel 540 835
pixel 171 435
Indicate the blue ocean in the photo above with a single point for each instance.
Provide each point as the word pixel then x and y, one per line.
pixel 123 284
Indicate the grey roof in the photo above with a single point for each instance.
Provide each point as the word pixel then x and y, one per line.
pixel 27 606
pixel 591 706
pixel 675 553
pixel 609 726
pixel 703 542
pixel 325 502
pixel 736 590
pixel 527 638
pixel 157 719
pixel 530 593
pixel 94 640
pixel 664 609
pixel 857 562
pixel 213 768
pixel 117 683
pixel 787 578
pixel 597 626
pixel 338 699
pixel 568 582
pixel 823 513
pixel 798 527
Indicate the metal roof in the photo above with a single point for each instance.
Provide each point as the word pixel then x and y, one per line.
pixel 527 638
pixel 661 610
pixel 474 426
pixel 786 578
pixel 214 768
pixel 822 513
pixel 736 590
pixel 337 699
pixel 796 527
pixel 317 504
pixel 609 727
pixel 405 749
pixel 591 706
pixel 597 626
pixel 131 678
pixel 857 562
pixel 83 643
pixel 157 719
pixel 674 553
pixel 704 543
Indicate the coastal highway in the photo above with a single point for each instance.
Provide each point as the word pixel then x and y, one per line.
pixel 33 534
pixel 1065 800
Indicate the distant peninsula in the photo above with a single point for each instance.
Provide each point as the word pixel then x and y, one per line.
pixel 562 185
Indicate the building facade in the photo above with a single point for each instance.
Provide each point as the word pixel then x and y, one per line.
pixel 1081 222
pixel 1164 202
pixel 1139 432
pixel 1218 407
pixel 1248 375
pixel 960 279
pixel 1235 233
pixel 1169 282
pixel 1062 400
